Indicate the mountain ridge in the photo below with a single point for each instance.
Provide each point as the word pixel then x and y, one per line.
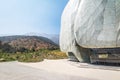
pixel 28 42
pixel 53 37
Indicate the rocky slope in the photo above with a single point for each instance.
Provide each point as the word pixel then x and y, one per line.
pixel 28 42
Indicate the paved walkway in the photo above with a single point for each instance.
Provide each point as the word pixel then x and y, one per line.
pixel 16 71
pixel 96 66
pixel 94 72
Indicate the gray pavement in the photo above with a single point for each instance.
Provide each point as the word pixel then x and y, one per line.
pixel 96 66
pixel 15 71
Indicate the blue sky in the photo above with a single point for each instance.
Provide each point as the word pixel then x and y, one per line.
pixel 25 16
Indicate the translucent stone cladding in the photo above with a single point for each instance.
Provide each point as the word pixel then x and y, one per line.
pixel 90 24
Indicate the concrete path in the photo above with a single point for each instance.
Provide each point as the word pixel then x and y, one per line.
pixel 18 71
pixel 94 72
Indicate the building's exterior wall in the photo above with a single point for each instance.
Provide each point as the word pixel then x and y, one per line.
pixel 90 24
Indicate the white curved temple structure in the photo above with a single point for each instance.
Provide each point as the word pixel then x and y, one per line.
pixel 90 30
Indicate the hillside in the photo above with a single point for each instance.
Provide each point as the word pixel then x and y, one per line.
pixel 21 43
pixel 53 37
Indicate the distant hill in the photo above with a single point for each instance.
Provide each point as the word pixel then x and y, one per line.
pixel 53 37
pixel 29 42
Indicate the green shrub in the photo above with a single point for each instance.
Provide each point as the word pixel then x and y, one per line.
pixel 33 56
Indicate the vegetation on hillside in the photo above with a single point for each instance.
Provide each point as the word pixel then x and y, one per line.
pixel 25 43
pixel 28 49
pixel 36 56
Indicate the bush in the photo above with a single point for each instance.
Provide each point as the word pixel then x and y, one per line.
pixel 7 57
pixel 33 56
pixel 30 57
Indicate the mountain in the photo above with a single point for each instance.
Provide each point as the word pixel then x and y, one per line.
pixel 29 42
pixel 3 35
pixel 53 37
